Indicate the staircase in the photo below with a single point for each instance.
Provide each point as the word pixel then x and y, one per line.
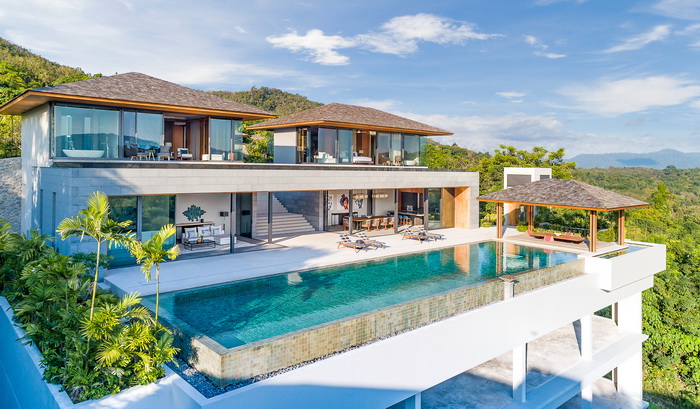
pixel 284 223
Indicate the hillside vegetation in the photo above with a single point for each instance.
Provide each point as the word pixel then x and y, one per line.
pixel 270 99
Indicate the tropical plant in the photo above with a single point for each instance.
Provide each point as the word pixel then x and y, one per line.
pixel 151 253
pixel 94 222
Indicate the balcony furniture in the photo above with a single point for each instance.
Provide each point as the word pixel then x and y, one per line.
pixel 347 242
pixel 203 243
pixel 398 161
pixel 411 162
pixel 183 154
pixel 540 235
pixel 183 226
pixel 165 152
pixel 391 223
pixel 131 151
pixel 366 224
pixel 346 224
pixel 384 223
pixel 376 223
pixel 373 243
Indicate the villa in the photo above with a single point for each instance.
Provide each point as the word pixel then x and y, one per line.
pixel 486 317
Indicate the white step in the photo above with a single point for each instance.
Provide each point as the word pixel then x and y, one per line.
pixel 277 206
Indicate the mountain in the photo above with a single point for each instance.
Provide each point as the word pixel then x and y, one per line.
pixel 270 99
pixel 656 160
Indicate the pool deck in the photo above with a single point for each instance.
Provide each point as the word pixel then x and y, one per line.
pixel 299 253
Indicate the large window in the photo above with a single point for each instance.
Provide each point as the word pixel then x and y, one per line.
pixel 85 132
pixel 344 146
pixel 384 149
pixel 142 132
pixel 326 146
pixel 411 144
pixel 226 139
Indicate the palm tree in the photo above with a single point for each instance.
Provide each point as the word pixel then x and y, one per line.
pixel 94 221
pixel 151 253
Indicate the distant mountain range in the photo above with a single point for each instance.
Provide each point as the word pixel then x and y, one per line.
pixel 655 160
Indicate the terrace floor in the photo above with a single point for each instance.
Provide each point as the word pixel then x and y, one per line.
pixel 302 252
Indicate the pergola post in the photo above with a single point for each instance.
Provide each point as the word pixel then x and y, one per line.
pixel 499 220
pixel 530 216
pixel 621 227
pixel 593 231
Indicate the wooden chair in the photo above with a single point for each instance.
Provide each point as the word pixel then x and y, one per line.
pixel 391 223
pixel 366 225
pixel 384 223
pixel 346 224
pixel 376 223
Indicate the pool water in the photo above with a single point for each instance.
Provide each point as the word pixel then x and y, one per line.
pixel 242 312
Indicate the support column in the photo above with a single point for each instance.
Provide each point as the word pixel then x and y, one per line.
pixel 426 204
pixel 269 217
pixel 414 402
pixel 628 375
pixel 351 224
pixel 585 334
pixel 520 373
pixel 499 220
pixel 593 231
pixel 396 211
pixel 621 227
pixel 232 222
pixel 587 397
pixel 530 216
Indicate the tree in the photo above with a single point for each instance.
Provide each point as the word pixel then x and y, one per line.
pixel 151 253
pixel 94 221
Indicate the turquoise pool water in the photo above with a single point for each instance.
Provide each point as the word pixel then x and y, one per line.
pixel 242 312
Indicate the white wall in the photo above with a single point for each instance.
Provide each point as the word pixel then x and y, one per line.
pixel 213 204
pixel 285 145
pixel 35 154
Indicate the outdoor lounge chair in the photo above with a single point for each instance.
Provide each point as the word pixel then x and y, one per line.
pixel 415 235
pixel 569 238
pixel 370 242
pixel 432 235
pixel 347 242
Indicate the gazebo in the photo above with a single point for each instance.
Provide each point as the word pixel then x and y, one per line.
pixel 568 194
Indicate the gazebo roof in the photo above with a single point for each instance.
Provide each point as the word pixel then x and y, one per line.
pixel 566 193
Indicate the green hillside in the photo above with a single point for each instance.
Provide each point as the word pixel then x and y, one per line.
pixel 270 99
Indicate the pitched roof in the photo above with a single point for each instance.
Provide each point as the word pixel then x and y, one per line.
pixel 134 88
pixel 563 193
pixel 342 115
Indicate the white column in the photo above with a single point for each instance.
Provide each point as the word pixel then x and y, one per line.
pixel 520 373
pixel 587 397
pixel 413 402
pixel 585 324
pixel 629 373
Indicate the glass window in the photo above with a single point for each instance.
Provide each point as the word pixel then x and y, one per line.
pixel 411 146
pixel 344 146
pixel 434 208
pixel 220 137
pixel 302 140
pixel 149 130
pixel 156 212
pixel 327 139
pixel 85 132
pixel 384 149
pixel 237 140
pixel 422 142
pixel 396 148
pixel 129 132
pixel 123 208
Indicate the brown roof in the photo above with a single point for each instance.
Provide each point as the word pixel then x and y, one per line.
pixel 341 115
pixel 133 89
pixel 563 193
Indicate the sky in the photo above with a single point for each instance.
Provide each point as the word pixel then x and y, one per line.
pixel 590 76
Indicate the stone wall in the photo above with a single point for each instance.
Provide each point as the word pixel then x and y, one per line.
pixel 11 191
pixel 307 204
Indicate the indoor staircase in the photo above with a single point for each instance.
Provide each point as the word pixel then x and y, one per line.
pixel 284 223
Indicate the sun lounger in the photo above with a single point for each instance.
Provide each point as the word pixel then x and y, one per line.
pixel 432 235
pixel 569 238
pixel 374 243
pixel 415 235
pixel 347 242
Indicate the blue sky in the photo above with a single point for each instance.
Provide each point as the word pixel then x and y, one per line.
pixel 587 75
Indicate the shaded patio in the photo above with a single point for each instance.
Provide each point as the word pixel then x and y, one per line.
pixel 566 194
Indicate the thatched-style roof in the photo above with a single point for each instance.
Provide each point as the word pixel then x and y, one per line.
pixel 351 116
pixel 134 90
pixel 566 193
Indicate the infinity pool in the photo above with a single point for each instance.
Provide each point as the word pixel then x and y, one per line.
pixel 247 311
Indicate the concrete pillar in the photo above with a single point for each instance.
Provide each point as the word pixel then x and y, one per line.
pixel 351 207
pixel 414 402
pixel 396 211
pixel 269 217
pixel 426 204
pixel 520 373
pixel 586 337
pixel 587 397
pixel 628 375
pixel 508 286
pixel 232 222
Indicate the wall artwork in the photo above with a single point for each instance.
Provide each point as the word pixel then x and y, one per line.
pixel 329 202
pixel 193 213
pixel 344 201
pixel 358 203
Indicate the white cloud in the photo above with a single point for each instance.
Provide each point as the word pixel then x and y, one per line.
pixel 683 9
pixel 240 29
pixel 485 133
pixel 513 96
pixel 695 104
pixel 398 36
pixel 540 48
pixel 401 35
pixel 318 45
pixel 658 33
pixel 612 98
